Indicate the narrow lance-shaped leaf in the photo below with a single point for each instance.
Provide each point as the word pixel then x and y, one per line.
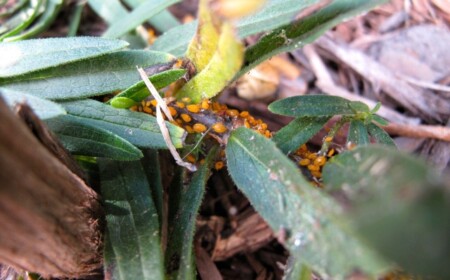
pixel 108 10
pixel 380 136
pixel 44 109
pixel 179 253
pixel 138 16
pixel 152 169
pixel 28 56
pixel 298 132
pixel 85 139
pixel 272 15
pixel 292 207
pixel 26 18
pixel 132 242
pixel 51 10
pixel 312 105
pixel 357 133
pixel 138 92
pixel 139 129
pixel 399 205
pixel 306 30
pixel 96 76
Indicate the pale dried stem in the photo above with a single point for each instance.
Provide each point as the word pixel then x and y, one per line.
pixel 162 124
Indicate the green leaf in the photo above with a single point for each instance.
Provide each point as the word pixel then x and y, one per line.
pixel 380 135
pixel 44 109
pixel 176 40
pixel 379 120
pixel 306 30
pixel 137 128
pixel 298 132
pixel 51 10
pixel 132 242
pixel 399 205
pixel 273 15
pixel 27 16
pixel 312 106
pixel 357 133
pixel 138 92
pixel 291 206
pixel 96 76
pixel 138 16
pixel 109 10
pixel 296 270
pixel 151 165
pixel 23 57
pixel 85 139
pixel 223 65
pixel 179 253
pixel 162 21
pixel 75 19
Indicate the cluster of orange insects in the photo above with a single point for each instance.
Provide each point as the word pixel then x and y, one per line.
pixel 212 118
pixel 217 120
pixel 314 162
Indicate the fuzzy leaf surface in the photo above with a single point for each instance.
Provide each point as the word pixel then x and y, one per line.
pixel 298 132
pixel 86 78
pixel 303 31
pixel 399 205
pixel 18 58
pixel 220 70
pixel 312 106
pixel 132 243
pixel 85 139
pixel 357 133
pixel 179 253
pixel 138 92
pixel 310 219
pixel 137 128
pixel 380 136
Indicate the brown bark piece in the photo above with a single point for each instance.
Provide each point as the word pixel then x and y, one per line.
pixel 49 217
pixel 251 233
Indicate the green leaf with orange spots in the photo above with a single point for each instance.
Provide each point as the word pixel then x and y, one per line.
pixel 307 218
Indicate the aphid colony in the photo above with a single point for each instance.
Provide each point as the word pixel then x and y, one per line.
pixel 211 119
pixel 215 121
pixel 312 161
